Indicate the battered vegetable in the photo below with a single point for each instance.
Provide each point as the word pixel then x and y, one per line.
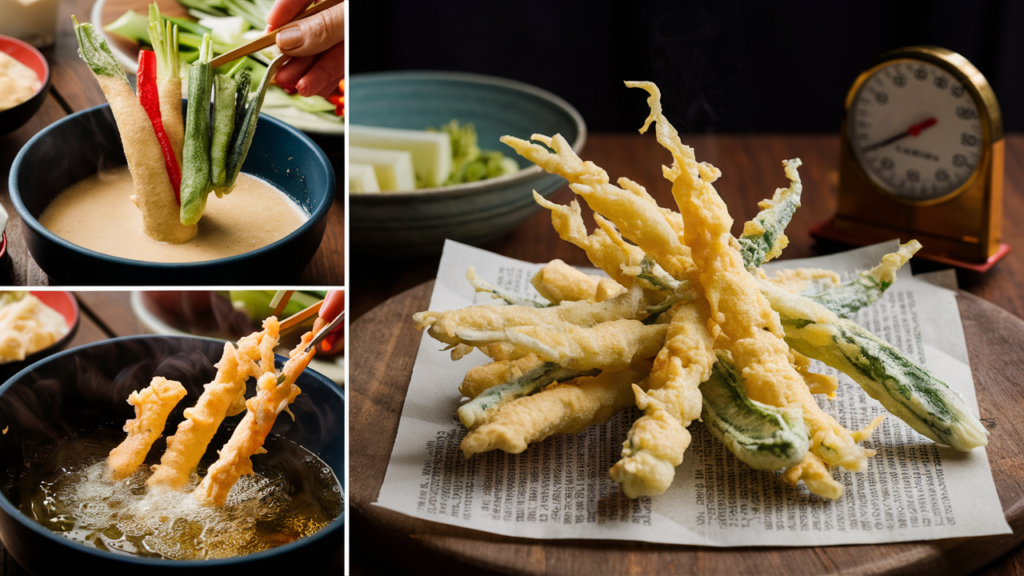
pixel 273 396
pixel 153 192
pixel 224 396
pixel 152 407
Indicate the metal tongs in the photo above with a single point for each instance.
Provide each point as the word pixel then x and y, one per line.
pixel 280 300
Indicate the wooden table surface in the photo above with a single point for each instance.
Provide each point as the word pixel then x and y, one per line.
pixel 751 170
pixel 74 89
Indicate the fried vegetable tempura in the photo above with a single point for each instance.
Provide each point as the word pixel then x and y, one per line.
pixel 223 397
pixel 152 407
pixel 683 287
pixel 560 409
pixel 656 442
pixel 557 281
pixel 273 397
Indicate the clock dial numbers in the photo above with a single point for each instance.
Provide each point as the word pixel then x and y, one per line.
pixel 915 130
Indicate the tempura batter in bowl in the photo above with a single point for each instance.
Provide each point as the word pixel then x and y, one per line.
pixel 96 213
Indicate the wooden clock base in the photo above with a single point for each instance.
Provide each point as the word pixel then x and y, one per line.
pixel 828 230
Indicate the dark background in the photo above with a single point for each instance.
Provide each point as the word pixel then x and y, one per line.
pixel 722 66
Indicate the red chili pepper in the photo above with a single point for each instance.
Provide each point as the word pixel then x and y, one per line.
pixel 149 97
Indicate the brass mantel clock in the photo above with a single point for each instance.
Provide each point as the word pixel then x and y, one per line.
pixel 921 156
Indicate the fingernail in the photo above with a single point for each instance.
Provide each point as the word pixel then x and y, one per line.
pixel 303 88
pixel 289 39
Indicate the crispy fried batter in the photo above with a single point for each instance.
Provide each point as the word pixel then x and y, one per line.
pixel 607 346
pixel 224 396
pixel 152 407
pixel 751 329
pixel 558 282
pixel 559 409
pixel 271 399
pixel 655 444
pixel 481 378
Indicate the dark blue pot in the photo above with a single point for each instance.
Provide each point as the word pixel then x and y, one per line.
pixel 87 386
pixel 84 143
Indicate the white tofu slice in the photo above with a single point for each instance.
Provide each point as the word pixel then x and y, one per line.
pixel 392 167
pixel 362 179
pixel 431 151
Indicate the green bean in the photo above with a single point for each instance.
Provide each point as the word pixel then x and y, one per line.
pixel 479 410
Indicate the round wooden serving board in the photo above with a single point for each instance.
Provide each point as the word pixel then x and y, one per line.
pixel 383 349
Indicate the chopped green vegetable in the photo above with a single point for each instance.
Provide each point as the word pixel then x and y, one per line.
pixel 131 25
pixel 96 53
pixel 469 162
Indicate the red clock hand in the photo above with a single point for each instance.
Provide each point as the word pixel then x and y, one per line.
pixel 912 131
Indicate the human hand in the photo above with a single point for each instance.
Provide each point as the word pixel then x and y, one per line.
pixel 316 45
pixel 333 306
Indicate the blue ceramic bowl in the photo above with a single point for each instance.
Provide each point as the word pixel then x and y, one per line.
pixel 86 142
pixel 412 223
pixel 87 386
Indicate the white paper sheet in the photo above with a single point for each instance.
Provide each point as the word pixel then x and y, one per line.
pixel 913 489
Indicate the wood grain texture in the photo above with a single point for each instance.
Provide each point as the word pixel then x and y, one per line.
pixel 383 349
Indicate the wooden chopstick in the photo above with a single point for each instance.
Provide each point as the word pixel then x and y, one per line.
pixel 296 319
pixel 270 37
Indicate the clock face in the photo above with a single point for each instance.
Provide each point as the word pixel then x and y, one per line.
pixel 915 129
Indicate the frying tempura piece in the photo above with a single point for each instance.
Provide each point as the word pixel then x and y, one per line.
pixel 223 397
pixel 559 409
pixel 152 407
pixel 558 282
pixel 273 396
pixel 606 346
pixel 752 330
pixel 657 441
pixel 487 376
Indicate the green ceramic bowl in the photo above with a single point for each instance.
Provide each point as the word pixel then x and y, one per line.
pixel 418 222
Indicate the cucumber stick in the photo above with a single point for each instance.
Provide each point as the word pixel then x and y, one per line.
pixel 195 173
pixel 764 437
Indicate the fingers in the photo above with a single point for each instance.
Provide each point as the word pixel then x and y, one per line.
pixel 293 71
pixel 283 11
pixel 334 304
pixel 315 34
pixel 325 74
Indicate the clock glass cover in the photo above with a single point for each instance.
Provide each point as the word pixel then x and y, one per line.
pixel 915 130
